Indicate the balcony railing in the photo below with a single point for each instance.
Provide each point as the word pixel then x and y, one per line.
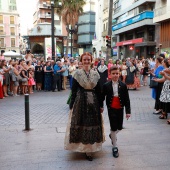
pixel 2 33
pixel 116 10
pixel 44 15
pixel 2 45
pixel 160 11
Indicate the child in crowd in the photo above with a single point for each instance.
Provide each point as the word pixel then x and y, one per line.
pixel 31 81
pixel 117 97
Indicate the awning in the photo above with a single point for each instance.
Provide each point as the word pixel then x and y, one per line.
pixel 129 42
pixel 147 43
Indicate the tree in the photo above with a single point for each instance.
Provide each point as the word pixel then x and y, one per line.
pixel 69 11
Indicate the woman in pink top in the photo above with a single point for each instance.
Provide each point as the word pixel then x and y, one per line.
pixel 110 64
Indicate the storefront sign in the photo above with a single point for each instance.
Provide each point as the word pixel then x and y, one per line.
pixel 128 42
pixel 142 16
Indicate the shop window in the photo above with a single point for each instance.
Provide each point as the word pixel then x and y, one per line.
pixel 11 19
pixel 12 42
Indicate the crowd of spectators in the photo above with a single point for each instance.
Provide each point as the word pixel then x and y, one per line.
pixel 18 77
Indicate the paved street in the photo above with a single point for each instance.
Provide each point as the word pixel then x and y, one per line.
pixel 143 144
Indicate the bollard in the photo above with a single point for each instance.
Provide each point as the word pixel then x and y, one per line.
pixel 27 116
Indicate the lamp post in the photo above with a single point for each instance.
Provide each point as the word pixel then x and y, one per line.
pixel 71 30
pixel 52 30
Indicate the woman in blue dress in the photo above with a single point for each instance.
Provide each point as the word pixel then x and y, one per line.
pixel 157 91
pixel 48 70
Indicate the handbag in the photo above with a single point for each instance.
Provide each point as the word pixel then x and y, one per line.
pixel 153 84
pixel 24 79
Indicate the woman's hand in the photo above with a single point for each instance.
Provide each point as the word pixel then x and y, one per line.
pixel 101 110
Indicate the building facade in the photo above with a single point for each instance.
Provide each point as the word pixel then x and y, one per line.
pixel 162 20
pixel 86 27
pixel 39 37
pixel 133 28
pixel 9 26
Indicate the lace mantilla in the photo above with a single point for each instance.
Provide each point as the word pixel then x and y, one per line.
pixel 87 82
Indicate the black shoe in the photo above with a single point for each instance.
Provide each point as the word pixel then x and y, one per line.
pixel 53 91
pixel 115 152
pixel 89 158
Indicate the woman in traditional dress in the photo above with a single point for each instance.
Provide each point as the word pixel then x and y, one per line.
pixel 85 126
pixel 103 72
pixel 132 81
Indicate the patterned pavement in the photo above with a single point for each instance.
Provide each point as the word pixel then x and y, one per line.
pixel 143 144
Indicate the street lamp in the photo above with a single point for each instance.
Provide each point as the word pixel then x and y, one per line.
pixel 52 30
pixel 71 30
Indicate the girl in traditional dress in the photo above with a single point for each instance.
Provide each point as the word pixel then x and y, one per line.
pixel 124 70
pixel 85 126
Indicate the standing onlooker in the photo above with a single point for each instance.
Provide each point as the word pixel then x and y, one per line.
pixel 15 73
pixel 110 64
pixel 124 70
pixel 145 72
pixel 6 80
pixel 39 75
pixel 1 80
pixel 103 72
pixel 157 91
pixel 24 76
pixel 48 76
pixel 29 56
pixel 72 69
pixel 65 74
pixel 57 77
pixel 31 81
pixel 165 93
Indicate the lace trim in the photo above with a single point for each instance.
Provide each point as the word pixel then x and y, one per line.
pixel 87 82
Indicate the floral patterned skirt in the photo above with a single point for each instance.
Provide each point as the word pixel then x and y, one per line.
pixel 135 85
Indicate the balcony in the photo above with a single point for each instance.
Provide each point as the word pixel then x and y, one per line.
pixel 2 45
pixel 161 14
pixel 138 18
pixel 160 11
pixel 116 10
pixel 44 6
pixel 44 15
